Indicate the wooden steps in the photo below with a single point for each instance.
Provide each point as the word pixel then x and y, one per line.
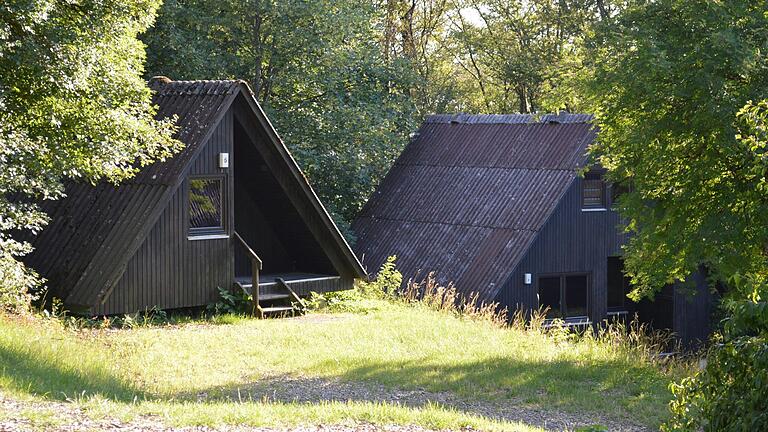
pixel 276 299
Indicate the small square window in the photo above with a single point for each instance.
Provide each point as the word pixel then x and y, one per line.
pixel 592 191
pixel 206 197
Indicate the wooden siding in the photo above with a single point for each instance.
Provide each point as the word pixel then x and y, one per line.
pixel 693 309
pixel 571 241
pixel 576 241
pixel 169 270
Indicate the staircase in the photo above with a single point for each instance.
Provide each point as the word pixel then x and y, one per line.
pixel 276 298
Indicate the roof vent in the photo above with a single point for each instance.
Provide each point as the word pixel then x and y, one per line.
pixel 158 80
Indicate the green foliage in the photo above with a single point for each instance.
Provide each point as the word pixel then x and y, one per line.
pixel 73 104
pixel 593 428
pixel 361 299
pixel 348 301
pixel 522 56
pixel 671 80
pixel 316 67
pixel 673 86
pixel 231 301
pixel 729 394
pixel 387 283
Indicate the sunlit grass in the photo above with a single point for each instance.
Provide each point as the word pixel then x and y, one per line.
pixel 162 370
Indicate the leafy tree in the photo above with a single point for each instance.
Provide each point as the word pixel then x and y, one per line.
pixel 73 104
pixel 669 79
pixel 673 86
pixel 317 67
pixel 521 56
pixel 420 31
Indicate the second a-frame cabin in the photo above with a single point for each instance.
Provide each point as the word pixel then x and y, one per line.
pixel 498 205
pixel 231 209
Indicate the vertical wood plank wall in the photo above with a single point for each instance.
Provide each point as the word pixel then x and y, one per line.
pixel 576 241
pixel 571 241
pixel 169 270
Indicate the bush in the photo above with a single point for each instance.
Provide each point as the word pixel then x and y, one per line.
pixel 231 301
pixel 387 282
pixel 731 392
pixel 16 281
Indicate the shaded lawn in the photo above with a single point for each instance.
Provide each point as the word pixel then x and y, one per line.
pixel 398 346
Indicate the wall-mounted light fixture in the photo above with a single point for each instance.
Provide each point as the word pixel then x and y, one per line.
pixel 223 160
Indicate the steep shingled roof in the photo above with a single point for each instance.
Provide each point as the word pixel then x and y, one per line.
pixel 467 197
pixel 95 230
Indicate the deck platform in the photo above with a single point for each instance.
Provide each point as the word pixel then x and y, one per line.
pixel 302 283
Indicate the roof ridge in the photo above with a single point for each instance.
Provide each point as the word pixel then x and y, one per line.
pixel 512 118
pixel 165 86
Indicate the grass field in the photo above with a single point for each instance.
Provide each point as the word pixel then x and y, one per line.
pixel 199 373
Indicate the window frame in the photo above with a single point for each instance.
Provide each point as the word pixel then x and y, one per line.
pixel 563 297
pixel 592 176
pixel 205 233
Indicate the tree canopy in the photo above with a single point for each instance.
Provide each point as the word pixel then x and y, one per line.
pixel 73 104
pixel 671 82
pixel 317 67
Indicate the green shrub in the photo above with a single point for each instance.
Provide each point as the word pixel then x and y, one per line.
pixel 16 281
pixel 387 282
pixel 731 392
pixel 231 302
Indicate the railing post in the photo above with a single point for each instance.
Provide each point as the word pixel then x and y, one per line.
pixel 255 267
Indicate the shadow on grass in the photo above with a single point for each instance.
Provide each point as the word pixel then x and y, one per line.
pixel 560 382
pixel 544 395
pixel 34 372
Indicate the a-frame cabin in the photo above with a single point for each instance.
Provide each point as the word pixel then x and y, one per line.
pixel 202 220
pixel 496 204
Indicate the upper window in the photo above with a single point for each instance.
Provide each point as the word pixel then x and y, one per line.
pixel 206 214
pixel 593 191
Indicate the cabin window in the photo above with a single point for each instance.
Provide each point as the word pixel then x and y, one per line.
pixel 566 296
pixel 593 191
pixel 206 201
pixel 549 296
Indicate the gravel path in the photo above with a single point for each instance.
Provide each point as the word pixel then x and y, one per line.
pixel 70 419
pixel 310 390
pixel 313 390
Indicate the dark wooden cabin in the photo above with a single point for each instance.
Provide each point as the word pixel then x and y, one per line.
pixel 496 205
pixel 181 229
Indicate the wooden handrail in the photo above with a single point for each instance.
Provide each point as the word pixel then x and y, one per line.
pixel 255 268
pixel 248 249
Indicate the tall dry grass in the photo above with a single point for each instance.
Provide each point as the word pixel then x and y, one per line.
pixel 446 298
pixel 630 337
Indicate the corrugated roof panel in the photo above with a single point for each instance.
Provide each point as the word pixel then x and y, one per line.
pixel 469 193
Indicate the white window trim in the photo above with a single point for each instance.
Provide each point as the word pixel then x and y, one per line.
pixel 208 236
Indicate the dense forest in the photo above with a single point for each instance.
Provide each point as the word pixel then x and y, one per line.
pixel 346 82
pixel 678 87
